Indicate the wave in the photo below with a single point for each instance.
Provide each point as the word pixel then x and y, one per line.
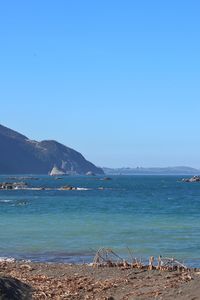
pixel 7 259
pixel 82 189
pixel 5 201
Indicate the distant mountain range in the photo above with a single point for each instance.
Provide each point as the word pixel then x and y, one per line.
pixel 20 155
pixel 182 170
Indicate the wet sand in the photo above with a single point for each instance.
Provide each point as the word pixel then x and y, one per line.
pixel 84 282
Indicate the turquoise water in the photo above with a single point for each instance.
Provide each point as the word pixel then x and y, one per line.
pixel 151 215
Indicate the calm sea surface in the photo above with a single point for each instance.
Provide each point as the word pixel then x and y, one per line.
pixel 151 215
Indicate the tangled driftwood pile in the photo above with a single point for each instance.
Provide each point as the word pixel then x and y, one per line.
pixel 106 257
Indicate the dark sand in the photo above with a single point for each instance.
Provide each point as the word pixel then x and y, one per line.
pixel 83 282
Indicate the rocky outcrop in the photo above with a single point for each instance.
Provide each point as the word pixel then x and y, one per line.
pixel 13 289
pixel 192 179
pixel 20 155
pixel 56 171
pixel 90 173
pixel 12 185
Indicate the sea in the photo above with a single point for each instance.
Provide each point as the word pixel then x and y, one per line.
pixel 136 216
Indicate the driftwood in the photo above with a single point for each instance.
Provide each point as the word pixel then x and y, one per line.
pixel 168 263
pixel 106 257
pixel 151 260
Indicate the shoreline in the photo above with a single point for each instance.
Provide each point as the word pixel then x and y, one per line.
pixel 83 281
pixel 86 258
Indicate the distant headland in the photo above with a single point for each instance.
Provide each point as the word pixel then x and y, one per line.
pixel 21 155
pixel 179 170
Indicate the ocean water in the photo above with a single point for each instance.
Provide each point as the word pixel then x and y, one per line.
pixel 151 215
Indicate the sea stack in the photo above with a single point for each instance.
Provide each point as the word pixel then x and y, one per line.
pixel 90 173
pixel 56 172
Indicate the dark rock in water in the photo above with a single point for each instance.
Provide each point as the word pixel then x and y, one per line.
pixel 192 179
pixel 13 289
pixel 67 188
pixel 20 155
pixel 107 178
pixel 12 185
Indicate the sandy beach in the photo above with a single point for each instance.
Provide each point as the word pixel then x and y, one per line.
pixel 78 282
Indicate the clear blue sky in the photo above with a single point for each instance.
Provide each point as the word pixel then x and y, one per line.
pixel 118 81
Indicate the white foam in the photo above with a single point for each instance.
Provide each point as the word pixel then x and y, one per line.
pixel 82 189
pixel 5 201
pixel 7 259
